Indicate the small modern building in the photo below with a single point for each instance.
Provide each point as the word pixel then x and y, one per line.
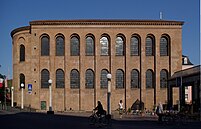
pixel 77 55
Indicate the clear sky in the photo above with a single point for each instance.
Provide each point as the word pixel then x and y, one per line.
pixel 18 13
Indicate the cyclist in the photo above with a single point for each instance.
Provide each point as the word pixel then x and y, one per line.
pixel 100 110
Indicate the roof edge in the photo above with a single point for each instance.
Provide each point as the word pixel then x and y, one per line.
pixel 105 22
pixel 19 29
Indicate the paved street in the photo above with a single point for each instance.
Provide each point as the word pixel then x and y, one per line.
pixel 33 120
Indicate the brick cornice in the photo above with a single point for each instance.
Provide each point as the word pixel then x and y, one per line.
pixel 106 22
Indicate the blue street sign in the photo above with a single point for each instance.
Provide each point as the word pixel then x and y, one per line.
pixel 29 88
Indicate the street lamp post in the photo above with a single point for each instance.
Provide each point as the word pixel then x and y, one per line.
pixel 12 88
pixel 109 76
pixel 50 102
pixel 22 95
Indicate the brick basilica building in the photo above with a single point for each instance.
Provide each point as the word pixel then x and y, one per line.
pixel 77 55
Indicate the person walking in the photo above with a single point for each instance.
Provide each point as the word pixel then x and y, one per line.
pixel 120 108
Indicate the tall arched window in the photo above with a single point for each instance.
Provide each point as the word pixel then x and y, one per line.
pixel 164 46
pixel 104 41
pixel 149 79
pixel 150 46
pixel 45 76
pixel 89 46
pixel 60 48
pixel 135 79
pixel 74 79
pixel 22 53
pixel 45 46
pixel 163 78
pixel 60 82
pixel 89 79
pixel 75 46
pixel 119 78
pixel 135 46
pixel 119 46
pixel 104 82
pixel 22 80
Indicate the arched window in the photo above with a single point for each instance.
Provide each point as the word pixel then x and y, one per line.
pixel 60 82
pixel 119 78
pixel 22 53
pixel 89 79
pixel 60 48
pixel 149 79
pixel 164 46
pixel 22 80
pixel 75 46
pixel 119 46
pixel 74 79
pixel 45 46
pixel 149 46
pixel 135 79
pixel 104 82
pixel 45 76
pixel 135 46
pixel 163 78
pixel 89 46
pixel 104 46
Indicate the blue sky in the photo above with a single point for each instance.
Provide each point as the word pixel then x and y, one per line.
pixel 18 13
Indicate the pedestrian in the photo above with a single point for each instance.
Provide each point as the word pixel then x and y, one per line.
pixel 159 111
pixel 120 108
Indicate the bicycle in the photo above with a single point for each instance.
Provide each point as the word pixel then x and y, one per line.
pixel 99 121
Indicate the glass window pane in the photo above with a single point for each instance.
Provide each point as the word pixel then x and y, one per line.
pixel 60 46
pixel 119 46
pixel 104 82
pixel 89 79
pixel 104 46
pixel 134 46
pixel 149 46
pixel 60 83
pixel 163 47
pixel 149 79
pixel 134 79
pixel 89 46
pixel 45 46
pixel 74 79
pixel 119 79
pixel 163 78
pixel 44 78
pixel 75 46
pixel 22 53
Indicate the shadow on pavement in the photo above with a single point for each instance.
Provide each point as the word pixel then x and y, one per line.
pixel 30 120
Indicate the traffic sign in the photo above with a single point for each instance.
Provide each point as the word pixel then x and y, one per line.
pixel 30 88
